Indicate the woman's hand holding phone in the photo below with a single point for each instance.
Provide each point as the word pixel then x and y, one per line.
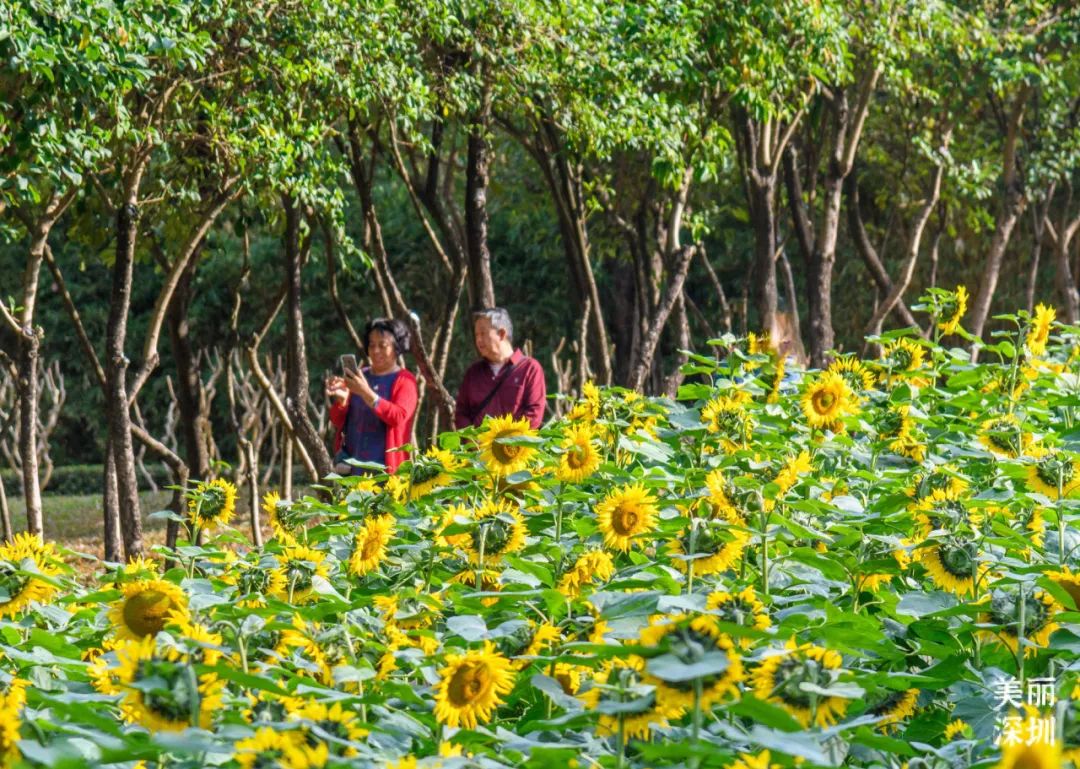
pixel 337 388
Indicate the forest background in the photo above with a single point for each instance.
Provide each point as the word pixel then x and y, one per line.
pixel 202 203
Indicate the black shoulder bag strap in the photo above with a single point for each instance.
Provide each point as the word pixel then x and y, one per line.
pixel 495 388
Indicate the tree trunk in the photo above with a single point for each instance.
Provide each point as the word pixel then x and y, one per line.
pixel 869 254
pixel 296 377
pixel 915 240
pixel 117 410
pixel 477 177
pixel 114 543
pixel 763 279
pixel 286 464
pixel 190 398
pixel 1061 237
pixel 1012 208
pixel 644 360
pixel 565 184
pixel 5 514
pixel 28 389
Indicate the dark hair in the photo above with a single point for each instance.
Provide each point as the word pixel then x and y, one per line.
pixel 498 317
pixel 391 326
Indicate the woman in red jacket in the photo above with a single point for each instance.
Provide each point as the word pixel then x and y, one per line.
pixel 373 409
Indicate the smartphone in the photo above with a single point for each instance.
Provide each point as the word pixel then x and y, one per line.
pixel 347 363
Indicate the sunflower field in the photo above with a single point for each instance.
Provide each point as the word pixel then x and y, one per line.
pixel 871 566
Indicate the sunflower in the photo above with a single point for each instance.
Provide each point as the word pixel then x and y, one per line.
pixel 907 445
pixel 432 471
pixel 941 478
pixel 777 380
pixel 620 684
pixel 760 761
pixel 826 399
pixel 11 705
pixel 540 638
pixel 1067 580
pixel 1039 333
pixel 161 690
pixel 23 557
pixel 741 608
pixel 498 530
pixel 955 727
pixel 903 355
pixel 568 677
pixel 283 523
pixel 941 510
pixel 299 566
pixel 871 580
pixel 857 374
pixel 1004 437
pixel 212 503
pixel 952 564
pixel 408 612
pixel 471 687
pixel 455 515
pixel 894 708
pixel 625 513
pixel 689 639
pixel 788 476
pixel 340 724
pixel 1053 471
pixel 1038 755
pixel 952 310
pixel 590 567
pixel 758 345
pixel 581 454
pixel 778 678
pixel 720 493
pixel 255 581
pixel 1039 611
pixel 305 637
pixel 726 417
pixel 502 458
pixel 489 583
pixel 588 408
pixel 717 547
pixel 369 546
pixel 269 747
pixel 146 608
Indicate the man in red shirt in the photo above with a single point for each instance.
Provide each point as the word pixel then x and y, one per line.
pixel 504 381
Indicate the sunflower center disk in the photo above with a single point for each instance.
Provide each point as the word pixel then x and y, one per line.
pixel 504 452
pixel 468 685
pixel 823 401
pixel 576 457
pixel 625 521
pixel 145 614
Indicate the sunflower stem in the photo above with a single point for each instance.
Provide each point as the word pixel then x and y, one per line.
pixel 558 532
pixel 692 551
pixel 764 518
pixel 696 760
pixel 430 565
pixel 480 560
pixel 241 645
pixel 1060 515
pixel 1020 636
pixel 620 759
